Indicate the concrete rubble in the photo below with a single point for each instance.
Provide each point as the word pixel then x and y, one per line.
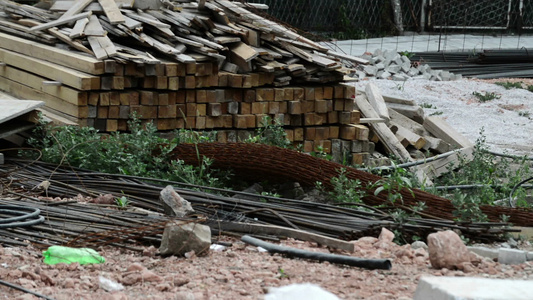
pixel 386 64
pixel 180 238
pixel 173 204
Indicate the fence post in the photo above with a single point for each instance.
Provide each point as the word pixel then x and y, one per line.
pixel 397 11
pixel 423 15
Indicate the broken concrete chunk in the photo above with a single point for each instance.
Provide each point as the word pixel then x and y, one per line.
pixel 385 75
pixel 173 204
pixel 181 237
pixel 371 70
pixel 393 69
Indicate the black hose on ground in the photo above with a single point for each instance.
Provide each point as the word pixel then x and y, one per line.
pixel 24 216
pixel 514 189
pixel 18 287
pixel 371 264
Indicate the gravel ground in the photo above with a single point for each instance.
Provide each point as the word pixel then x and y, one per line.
pixel 239 272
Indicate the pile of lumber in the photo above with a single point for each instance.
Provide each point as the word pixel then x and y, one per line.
pixel 181 64
pixel 402 129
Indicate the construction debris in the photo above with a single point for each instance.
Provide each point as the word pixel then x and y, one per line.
pixel 386 64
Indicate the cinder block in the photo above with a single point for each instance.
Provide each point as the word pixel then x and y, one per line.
pixel 511 256
pixel 485 252
pixel 455 288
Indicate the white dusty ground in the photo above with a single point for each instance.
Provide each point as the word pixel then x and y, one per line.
pixel 504 127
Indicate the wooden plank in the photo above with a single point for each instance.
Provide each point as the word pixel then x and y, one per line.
pixel 94 28
pixel 442 130
pixel 74 44
pixel 241 54
pixel 398 100
pixel 415 113
pixel 12 109
pixel 73 78
pixel 75 8
pixel 397 118
pixel 376 100
pixel 79 28
pixel 410 137
pixel 428 171
pixel 102 46
pixel 61 21
pixel 27 92
pixel 389 140
pixel 112 11
pixel 64 93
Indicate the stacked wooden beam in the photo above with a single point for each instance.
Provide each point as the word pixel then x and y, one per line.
pixel 183 64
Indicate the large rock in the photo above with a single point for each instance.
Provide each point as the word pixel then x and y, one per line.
pixel 447 250
pixel 173 204
pixel 181 237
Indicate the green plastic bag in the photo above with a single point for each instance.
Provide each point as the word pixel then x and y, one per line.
pixel 60 254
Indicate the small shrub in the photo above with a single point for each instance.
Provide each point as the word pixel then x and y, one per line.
pixel 271 133
pixel 509 85
pixel 428 105
pixel 487 96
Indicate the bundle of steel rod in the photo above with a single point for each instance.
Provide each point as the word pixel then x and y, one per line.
pixel 328 220
pixel 484 65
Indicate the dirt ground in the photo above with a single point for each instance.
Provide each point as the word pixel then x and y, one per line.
pixel 238 272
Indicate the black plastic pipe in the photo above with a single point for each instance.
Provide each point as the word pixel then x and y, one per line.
pixel 372 264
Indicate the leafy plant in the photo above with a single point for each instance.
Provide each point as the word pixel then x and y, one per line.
pixel 487 96
pixel 140 153
pixel 320 153
pixel 427 105
pixel 530 87
pixel 509 85
pixel 436 113
pixel 271 133
pixel 493 176
pixel 398 179
pixel 122 202
pixel 525 114
pixel 345 190
pixel 406 53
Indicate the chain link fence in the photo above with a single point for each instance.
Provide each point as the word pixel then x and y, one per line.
pixel 352 19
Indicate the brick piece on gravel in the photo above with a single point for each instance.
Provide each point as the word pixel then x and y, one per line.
pixel 386 235
pixel 447 250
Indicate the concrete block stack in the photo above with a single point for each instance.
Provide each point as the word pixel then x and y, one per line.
pixel 386 64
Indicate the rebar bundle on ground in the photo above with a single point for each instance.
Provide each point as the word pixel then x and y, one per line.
pixel 79 223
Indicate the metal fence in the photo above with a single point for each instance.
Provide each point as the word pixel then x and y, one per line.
pixel 375 17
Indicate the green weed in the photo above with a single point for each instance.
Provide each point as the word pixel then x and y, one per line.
pixel 487 96
pixel 509 85
pixel 271 133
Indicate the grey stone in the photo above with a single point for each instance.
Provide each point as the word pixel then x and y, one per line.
pixel 377 59
pixel 529 256
pixel 255 188
pixel 387 62
pixel 180 237
pixel 378 52
pixel 399 77
pixel 406 66
pixel 484 251
pixel 360 74
pixel 419 244
pixel 413 72
pixel 398 60
pixel 380 66
pixel 378 74
pixel 366 56
pixel 512 242
pixel 511 256
pixel 392 55
pixel 360 146
pixel 393 69
pixel 426 76
pixel 385 75
pixel 1 158
pixel 445 75
pixel 371 70
pixel 406 59
pixel 173 203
